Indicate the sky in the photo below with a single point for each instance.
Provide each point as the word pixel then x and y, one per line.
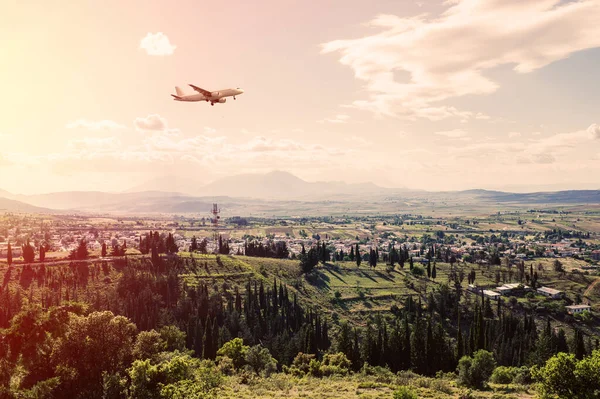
pixel 434 95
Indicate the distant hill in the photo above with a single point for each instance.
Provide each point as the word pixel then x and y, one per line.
pixel 557 197
pixel 280 192
pixel 9 205
pixel 273 185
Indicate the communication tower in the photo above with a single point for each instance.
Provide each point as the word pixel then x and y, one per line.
pixel 215 221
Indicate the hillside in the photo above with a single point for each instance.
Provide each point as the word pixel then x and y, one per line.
pixel 251 297
pixel 9 205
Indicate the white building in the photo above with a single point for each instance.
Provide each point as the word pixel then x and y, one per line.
pixel 550 292
pixel 573 309
pixel 491 294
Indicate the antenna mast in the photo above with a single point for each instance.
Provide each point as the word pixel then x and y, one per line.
pixel 215 221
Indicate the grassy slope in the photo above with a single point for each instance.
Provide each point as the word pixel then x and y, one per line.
pixel 360 386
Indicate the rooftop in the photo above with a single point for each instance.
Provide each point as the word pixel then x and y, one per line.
pixel 549 290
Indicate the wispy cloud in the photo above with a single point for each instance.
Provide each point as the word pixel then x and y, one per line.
pixel 153 123
pixel 157 44
pixel 104 124
pixel 454 134
pixel 447 56
pixel 339 118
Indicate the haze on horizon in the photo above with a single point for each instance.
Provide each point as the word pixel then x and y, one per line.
pixel 433 95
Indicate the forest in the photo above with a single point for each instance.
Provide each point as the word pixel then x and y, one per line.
pixel 100 329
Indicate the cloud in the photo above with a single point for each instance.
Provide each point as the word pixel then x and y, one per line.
pixel 514 134
pixel 339 118
pixel 94 125
pixel 94 143
pixel 594 131
pixel 448 56
pixel 454 134
pixel 157 44
pixel 154 123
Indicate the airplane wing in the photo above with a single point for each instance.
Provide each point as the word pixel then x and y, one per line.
pixel 205 93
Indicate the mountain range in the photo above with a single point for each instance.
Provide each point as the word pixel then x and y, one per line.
pixel 274 191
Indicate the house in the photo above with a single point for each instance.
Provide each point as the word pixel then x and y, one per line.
pixel 508 289
pixel 491 294
pixel 472 288
pixel 504 290
pixel 574 309
pixel 596 255
pixel 550 292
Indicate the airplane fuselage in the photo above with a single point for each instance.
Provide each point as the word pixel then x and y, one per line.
pixel 214 97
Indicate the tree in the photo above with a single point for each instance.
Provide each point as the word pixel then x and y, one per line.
pixel 558 266
pixel 433 272
pixel 81 252
pixel 93 345
pixel 9 255
pixel 103 249
pixel 557 378
pixel 194 246
pixel 28 253
pixel 475 372
pixel 308 260
pixel 260 360
pixel 148 345
pixel 202 247
pixel 357 255
pixel 42 253
pixel 235 350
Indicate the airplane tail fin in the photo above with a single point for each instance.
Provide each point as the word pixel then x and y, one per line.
pixel 179 91
pixel 176 97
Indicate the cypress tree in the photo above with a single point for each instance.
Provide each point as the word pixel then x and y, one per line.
pixel 9 255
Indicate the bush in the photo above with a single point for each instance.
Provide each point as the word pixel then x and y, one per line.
pixel 226 365
pixel 474 372
pixel 503 375
pixel 336 359
pixel 301 363
pixel 522 376
pixel 404 392
pixel 441 386
pixel 417 270
pixel 235 350
pixel 259 360
pixel 314 368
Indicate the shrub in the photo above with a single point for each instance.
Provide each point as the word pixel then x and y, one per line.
pixel 225 365
pixel 404 392
pixel 474 372
pixel 259 360
pixel 417 270
pixel 301 363
pixel 503 375
pixel 314 368
pixel 337 359
pixel 522 376
pixel 441 386
pixel 235 350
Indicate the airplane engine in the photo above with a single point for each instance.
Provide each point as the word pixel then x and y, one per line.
pixel 222 100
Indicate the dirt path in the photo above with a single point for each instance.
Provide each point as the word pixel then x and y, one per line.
pixel 591 287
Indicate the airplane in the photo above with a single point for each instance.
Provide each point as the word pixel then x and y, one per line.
pixel 205 95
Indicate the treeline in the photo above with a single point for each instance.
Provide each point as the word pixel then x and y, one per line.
pixel 161 243
pixel 152 293
pixel 420 337
pixel 271 249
